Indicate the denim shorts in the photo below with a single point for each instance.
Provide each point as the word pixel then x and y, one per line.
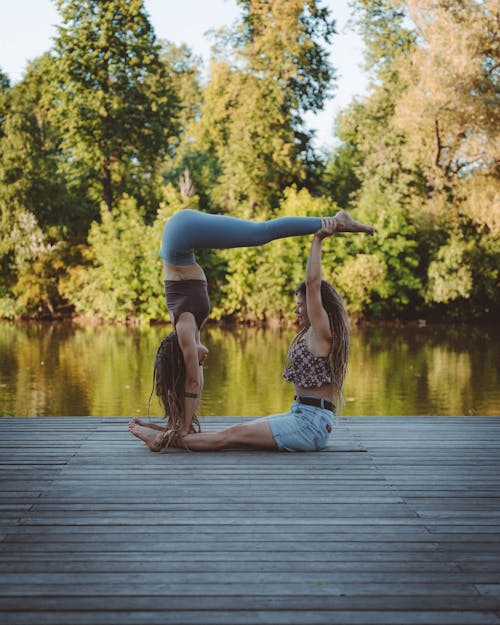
pixel 304 428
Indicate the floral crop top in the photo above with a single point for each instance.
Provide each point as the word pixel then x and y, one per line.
pixel 305 369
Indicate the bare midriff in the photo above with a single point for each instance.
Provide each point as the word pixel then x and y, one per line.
pixel 183 272
pixel 325 391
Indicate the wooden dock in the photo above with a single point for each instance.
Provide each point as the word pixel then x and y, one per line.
pixel 397 522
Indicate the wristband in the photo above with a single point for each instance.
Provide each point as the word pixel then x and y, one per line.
pixel 191 395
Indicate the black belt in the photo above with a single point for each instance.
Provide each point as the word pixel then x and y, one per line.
pixel 319 402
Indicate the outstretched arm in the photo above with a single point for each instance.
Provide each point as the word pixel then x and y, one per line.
pixel 318 317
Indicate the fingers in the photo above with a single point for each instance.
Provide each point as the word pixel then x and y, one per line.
pixel 328 227
pixel 202 353
pixel 329 224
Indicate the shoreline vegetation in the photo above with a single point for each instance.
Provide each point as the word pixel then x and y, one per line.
pixel 110 132
pixel 273 325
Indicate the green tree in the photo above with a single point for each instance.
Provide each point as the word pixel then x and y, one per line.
pixel 340 179
pixel 391 281
pixel 30 161
pixel 37 211
pixel 245 129
pixel 183 71
pixel 387 36
pixel 422 145
pixel 116 110
pixel 268 71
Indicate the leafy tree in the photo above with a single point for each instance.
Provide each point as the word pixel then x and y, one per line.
pixel 449 110
pixel 422 146
pixel 36 209
pixel 183 72
pixel 464 276
pixel 30 163
pixel 379 277
pixel 182 69
pixel 116 109
pixel 387 37
pixel 340 180
pixel 246 129
pixel 284 40
pixel 268 71
pixel 396 249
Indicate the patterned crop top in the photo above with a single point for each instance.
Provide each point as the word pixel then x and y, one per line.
pixel 305 369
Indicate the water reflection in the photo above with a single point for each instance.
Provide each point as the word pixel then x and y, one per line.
pixel 64 369
pixel 430 370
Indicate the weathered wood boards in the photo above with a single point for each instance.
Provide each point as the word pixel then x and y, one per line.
pixel 396 522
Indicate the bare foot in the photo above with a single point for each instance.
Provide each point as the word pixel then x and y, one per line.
pixel 147 435
pixel 345 223
pixel 147 424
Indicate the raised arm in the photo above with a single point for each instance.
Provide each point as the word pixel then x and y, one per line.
pixel 321 335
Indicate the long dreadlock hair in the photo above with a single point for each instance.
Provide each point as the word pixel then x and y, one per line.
pixel 169 376
pixel 339 326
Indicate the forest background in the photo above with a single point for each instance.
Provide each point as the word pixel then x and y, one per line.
pixel 110 132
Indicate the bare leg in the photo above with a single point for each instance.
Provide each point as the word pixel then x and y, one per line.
pixel 254 434
pixel 345 223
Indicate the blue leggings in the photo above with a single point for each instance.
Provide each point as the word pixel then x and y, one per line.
pixel 188 230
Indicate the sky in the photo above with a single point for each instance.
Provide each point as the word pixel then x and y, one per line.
pixel 28 26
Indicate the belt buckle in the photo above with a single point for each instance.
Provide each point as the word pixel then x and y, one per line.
pixel 319 402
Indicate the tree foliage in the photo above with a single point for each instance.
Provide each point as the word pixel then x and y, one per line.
pixel 448 110
pixel 110 132
pixel 269 70
pixel 118 112
pixel 426 138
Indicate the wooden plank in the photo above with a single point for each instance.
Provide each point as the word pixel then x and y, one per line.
pixel 262 615
pixel 397 522
pixel 140 600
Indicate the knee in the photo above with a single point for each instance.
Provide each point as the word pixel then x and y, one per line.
pixel 231 436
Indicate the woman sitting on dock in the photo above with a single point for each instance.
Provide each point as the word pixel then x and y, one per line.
pixel 316 365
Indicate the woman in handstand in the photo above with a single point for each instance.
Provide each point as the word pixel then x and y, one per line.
pixel 316 365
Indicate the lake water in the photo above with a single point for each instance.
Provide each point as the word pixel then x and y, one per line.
pixel 66 369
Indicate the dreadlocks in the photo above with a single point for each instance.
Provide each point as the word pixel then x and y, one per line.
pixel 168 381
